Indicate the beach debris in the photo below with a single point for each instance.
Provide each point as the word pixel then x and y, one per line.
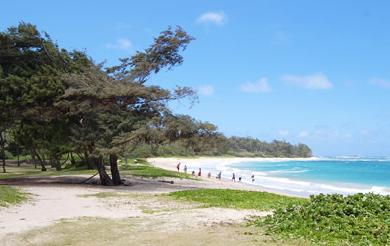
pixel 167 181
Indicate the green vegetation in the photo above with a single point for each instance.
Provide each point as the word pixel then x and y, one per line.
pixel 360 219
pixel 56 102
pixel 106 194
pixel 238 199
pixel 60 107
pixel 197 143
pixel 10 195
pixel 29 171
pixel 251 147
pixel 139 168
pixel 149 171
pixel 182 135
pixel 151 230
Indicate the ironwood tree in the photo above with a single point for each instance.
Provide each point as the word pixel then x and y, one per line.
pixel 56 102
pixel 61 101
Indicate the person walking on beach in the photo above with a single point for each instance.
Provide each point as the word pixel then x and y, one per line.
pixel 253 178
pixel 178 166
pixel 234 178
pixel 209 175
pixel 185 168
pixel 200 172
pixel 219 175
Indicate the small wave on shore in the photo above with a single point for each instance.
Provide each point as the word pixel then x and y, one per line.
pixel 292 176
pixel 297 176
pixel 305 188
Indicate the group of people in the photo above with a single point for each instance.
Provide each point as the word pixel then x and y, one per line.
pixel 193 172
pixel 240 178
pixel 219 175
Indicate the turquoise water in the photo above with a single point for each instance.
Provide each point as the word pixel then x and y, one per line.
pixel 306 177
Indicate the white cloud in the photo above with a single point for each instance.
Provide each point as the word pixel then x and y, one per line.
pixel 260 86
pixel 381 82
pixel 206 90
pixel 303 134
pixel 317 81
pixel 120 44
pixel 217 18
pixel 283 133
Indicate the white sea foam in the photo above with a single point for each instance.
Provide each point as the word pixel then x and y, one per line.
pixel 271 179
pixel 355 159
pixel 267 179
pixel 380 190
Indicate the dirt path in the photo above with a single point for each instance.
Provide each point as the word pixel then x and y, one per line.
pixel 51 203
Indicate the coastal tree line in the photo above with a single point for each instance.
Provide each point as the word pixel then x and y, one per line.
pixel 59 107
pixel 182 135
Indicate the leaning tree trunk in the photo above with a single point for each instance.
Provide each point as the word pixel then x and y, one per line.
pixel 42 162
pixel 57 163
pixel 34 152
pixel 116 178
pixel 43 168
pixel 104 177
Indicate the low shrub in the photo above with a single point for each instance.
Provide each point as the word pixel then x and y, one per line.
pixel 362 219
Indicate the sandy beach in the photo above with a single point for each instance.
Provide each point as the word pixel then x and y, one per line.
pixel 214 164
pixel 170 163
pixel 270 181
pixel 53 205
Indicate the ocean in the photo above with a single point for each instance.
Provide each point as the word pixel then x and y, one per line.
pixel 315 176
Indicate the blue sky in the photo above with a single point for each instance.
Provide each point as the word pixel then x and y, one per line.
pixel 315 72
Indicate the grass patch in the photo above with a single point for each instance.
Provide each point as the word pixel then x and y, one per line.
pixel 30 171
pixel 137 167
pixel 10 195
pixel 134 231
pixel 106 194
pixel 139 231
pixel 144 169
pixel 237 199
pixel 360 219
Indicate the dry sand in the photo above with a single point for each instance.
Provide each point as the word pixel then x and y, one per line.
pixel 142 203
pixel 170 163
pixel 51 203
pixel 206 162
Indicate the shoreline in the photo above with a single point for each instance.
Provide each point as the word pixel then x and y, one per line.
pixel 264 182
pixel 169 163
pixel 165 161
